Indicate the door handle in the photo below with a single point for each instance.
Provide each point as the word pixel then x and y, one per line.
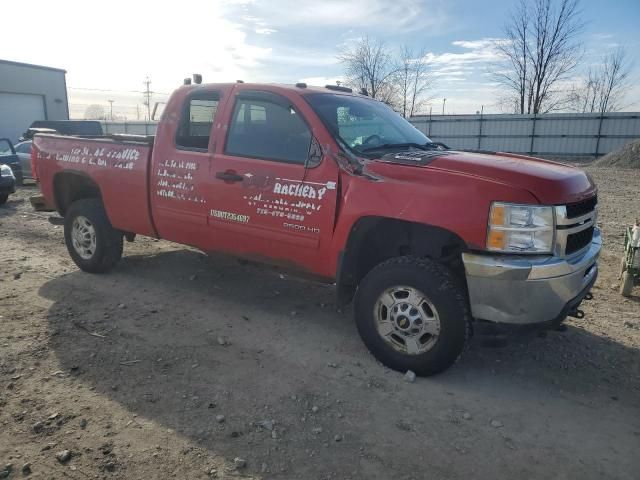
pixel 229 176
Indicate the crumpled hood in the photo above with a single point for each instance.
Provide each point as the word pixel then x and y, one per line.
pixel 550 182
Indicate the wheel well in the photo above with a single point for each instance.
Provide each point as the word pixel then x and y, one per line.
pixel 375 239
pixel 69 187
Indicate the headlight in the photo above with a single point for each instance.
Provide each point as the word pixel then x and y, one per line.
pixel 520 228
pixel 5 171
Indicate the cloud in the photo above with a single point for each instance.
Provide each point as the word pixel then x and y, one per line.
pixel 265 31
pixel 602 36
pixel 176 42
pixel 461 74
pixel 399 15
pixel 476 51
pixel 322 81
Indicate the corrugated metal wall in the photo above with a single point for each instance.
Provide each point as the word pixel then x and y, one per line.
pixel 133 128
pixel 585 134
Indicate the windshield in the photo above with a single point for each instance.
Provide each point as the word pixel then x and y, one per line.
pixel 364 124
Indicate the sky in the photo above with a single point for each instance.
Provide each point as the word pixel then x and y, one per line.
pixel 109 48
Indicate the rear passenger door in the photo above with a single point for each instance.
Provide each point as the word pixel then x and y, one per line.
pixel 180 176
pixel 263 202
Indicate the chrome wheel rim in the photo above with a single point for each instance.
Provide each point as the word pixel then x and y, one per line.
pixel 83 237
pixel 407 320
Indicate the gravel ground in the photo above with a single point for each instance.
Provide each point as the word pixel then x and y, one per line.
pixel 178 365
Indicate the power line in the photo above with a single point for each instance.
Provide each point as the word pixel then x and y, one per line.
pixel 114 91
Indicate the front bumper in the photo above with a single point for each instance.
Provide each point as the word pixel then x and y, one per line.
pixel 16 168
pixel 528 290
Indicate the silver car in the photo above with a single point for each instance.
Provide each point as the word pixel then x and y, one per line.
pixel 23 151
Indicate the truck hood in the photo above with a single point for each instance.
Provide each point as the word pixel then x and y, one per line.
pixel 550 182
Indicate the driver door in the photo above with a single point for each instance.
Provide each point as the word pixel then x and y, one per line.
pixel 264 202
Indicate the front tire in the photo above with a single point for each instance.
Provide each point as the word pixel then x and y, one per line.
pixel 3 198
pixel 412 315
pixel 93 244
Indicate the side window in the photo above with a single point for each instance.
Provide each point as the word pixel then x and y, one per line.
pixel 24 148
pixel 269 130
pixel 196 122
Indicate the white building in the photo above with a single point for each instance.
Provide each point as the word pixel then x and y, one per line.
pixel 28 93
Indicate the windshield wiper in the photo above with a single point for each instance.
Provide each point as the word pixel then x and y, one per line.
pixel 386 146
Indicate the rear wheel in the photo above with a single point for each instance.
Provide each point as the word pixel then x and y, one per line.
pixel 93 244
pixel 626 285
pixel 412 315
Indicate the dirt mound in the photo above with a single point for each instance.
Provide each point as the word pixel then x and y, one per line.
pixel 627 157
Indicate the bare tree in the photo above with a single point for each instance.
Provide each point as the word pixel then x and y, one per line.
pixel 605 86
pixel 515 53
pixel 94 112
pixel 539 52
pixel 412 79
pixel 369 66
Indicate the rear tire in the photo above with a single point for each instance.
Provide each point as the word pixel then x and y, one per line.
pixel 93 244
pixel 626 285
pixel 3 198
pixel 412 315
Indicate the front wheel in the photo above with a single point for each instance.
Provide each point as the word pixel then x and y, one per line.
pixel 412 315
pixel 3 198
pixel 93 244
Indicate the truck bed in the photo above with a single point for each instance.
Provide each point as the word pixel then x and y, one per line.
pixel 117 165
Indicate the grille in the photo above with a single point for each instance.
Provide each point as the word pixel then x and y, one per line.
pixel 582 208
pixel 579 240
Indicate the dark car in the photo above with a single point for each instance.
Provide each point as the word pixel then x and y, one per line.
pixel 9 157
pixel 7 183
pixel 68 127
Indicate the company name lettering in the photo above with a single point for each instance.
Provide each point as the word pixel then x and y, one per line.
pixel 299 190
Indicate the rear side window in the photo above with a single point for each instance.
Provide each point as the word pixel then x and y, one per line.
pixel 196 123
pixel 24 148
pixel 268 130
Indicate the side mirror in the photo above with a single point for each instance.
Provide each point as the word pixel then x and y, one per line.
pixel 315 154
pixel 158 109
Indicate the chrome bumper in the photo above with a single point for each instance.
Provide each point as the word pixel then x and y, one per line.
pixel 526 290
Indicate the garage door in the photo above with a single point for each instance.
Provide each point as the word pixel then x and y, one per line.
pixel 17 111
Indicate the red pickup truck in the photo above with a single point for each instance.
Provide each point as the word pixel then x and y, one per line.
pixel 424 240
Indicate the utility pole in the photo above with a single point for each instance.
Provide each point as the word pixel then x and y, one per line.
pixel 444 101
pixel 147 97
pixel 110 109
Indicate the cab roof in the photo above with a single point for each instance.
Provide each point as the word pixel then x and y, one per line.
pixel 300 88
